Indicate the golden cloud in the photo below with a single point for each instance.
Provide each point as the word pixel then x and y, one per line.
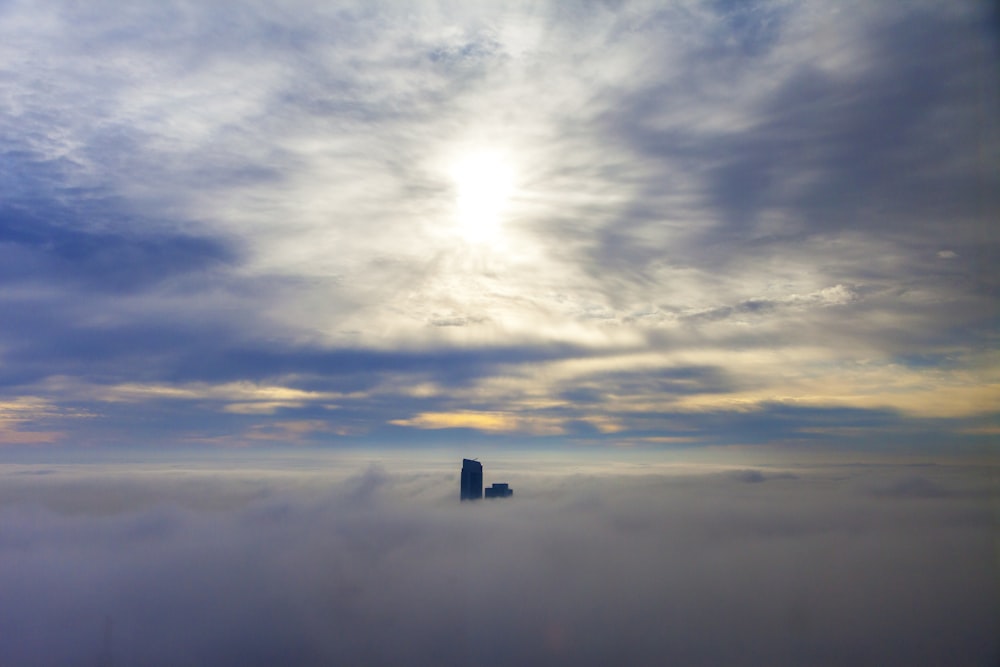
pixel 490 422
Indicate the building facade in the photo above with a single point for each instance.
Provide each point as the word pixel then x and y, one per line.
pixel 472 479
pixel 499 491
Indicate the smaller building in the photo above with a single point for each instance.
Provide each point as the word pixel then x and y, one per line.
pixel 499 491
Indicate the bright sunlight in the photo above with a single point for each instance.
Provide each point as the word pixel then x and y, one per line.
pixel 484 183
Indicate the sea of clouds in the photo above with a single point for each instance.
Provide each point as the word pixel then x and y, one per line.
pixel 348 561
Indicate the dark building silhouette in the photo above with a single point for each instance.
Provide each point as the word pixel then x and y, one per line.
pixel 472 479
pixel 499 491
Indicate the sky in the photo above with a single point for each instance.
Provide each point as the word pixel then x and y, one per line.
pixel 617 224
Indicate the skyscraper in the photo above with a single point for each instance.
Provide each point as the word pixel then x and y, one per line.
pixel 472 479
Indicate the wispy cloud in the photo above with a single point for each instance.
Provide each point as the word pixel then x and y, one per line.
pixel 739 205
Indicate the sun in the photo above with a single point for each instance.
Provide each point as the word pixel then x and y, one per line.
pixel 484 183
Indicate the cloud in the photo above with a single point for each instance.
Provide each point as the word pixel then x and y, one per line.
pixel 483 421
pixel 329 559
pixel 914 487
pixel 35 414
pixel 38 250
pixel 778 193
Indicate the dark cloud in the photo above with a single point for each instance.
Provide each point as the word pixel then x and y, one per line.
pixel 749 476
pixel 363 367
pixel 34 249
pixel 914 487
pixel 382 565
pixel 828 150
pixel 674 381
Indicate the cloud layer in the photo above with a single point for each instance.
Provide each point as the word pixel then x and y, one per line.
pixel 334 561
pixel 717 212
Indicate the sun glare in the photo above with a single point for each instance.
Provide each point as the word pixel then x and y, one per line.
pixel 484 183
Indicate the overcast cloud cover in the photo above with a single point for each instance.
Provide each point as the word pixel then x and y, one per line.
pixel 713 284
pixel 634 223
pixel 325 560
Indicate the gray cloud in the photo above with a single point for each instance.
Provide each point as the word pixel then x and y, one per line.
pixel 288 562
